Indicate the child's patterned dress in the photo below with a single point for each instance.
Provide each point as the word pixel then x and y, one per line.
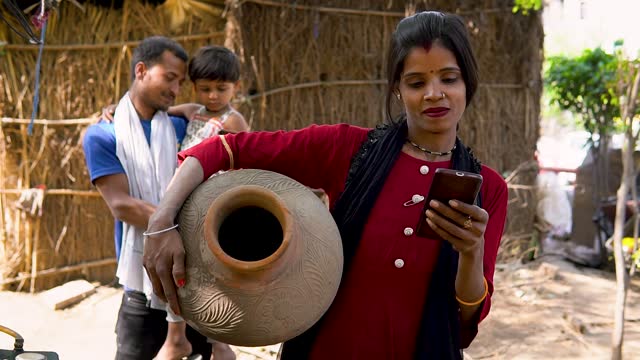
pixel 198 130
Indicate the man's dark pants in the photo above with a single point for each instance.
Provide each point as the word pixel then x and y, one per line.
pixel 141 330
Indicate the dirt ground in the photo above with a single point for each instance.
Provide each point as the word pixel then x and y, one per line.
pixel 548 309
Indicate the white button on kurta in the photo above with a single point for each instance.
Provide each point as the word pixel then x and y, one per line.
pixel 417 198
pixel 399 263
pixel 408 231
pixel 424 169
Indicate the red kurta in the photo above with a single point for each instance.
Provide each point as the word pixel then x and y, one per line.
pixel 378 308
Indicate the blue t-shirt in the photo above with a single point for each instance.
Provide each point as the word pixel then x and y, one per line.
pixel 99 145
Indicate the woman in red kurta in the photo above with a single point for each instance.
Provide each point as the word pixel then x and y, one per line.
pixel 402 296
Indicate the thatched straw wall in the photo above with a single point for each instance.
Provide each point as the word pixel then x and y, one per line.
pixel 324 62
pixel 84 67
pixel 75 226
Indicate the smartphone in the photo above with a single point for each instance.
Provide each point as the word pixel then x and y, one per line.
pixel 448 185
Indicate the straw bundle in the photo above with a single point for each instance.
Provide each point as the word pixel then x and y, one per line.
pixel 180 10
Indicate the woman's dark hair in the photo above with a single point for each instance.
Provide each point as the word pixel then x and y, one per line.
pixel 422 30
pixel 151 49
pixel 214 63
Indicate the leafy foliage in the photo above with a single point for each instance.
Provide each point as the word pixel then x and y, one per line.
pixel 525 6
pixel 586 86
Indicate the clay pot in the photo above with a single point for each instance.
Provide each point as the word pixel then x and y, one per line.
pixel 263 258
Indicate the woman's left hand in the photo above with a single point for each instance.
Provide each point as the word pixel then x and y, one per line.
pixel 462 225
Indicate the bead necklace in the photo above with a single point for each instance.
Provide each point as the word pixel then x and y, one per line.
pixel 436 153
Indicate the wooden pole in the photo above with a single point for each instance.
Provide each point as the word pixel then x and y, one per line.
pixel 26 184
pixel 87 121
pixel 120 44
pixel 261 95
pixel 34 256
pixel 36 238
pixel 345 11
pixel 54 271
pixel 123 32
pixel 3 229
pixel 63 192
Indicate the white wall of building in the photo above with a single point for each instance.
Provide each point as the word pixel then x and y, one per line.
pixel 574 25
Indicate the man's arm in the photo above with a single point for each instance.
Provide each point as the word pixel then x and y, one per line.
pixel 115 192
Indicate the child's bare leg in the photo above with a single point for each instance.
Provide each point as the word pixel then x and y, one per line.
pixel 221 351
pixel 176 345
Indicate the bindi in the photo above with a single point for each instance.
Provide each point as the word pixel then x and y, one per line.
pixel 427 46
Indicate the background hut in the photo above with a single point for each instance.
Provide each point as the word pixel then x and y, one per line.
pixel 308 61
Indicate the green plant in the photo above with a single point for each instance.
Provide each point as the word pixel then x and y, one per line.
pixel 586 86
pixel 525 6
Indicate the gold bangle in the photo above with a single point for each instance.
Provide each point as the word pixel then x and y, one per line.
pixel 477 302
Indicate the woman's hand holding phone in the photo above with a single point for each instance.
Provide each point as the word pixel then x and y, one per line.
pixel 463 225
pixel 449 213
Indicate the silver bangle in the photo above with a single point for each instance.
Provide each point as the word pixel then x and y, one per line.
pixel 146 233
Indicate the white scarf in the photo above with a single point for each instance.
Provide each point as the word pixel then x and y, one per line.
pixel 149 170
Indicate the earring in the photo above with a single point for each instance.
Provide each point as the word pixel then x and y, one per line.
pixel 398 96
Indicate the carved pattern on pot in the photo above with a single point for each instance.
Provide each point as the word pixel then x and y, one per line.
pixel 266 300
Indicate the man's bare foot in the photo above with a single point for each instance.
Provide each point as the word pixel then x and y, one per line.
pixel 222 351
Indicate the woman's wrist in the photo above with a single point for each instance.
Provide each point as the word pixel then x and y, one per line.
pixel 472 259
pixel 161 219
pixel 470 277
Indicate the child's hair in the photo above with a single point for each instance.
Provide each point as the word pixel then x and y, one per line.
pixel 214 63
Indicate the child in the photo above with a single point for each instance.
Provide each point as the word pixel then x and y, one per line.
pixel 215 73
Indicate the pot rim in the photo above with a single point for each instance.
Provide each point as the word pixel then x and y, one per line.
pixel 234 199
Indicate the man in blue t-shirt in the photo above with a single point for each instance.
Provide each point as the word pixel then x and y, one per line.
pixel 158 69
pixel 99 146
